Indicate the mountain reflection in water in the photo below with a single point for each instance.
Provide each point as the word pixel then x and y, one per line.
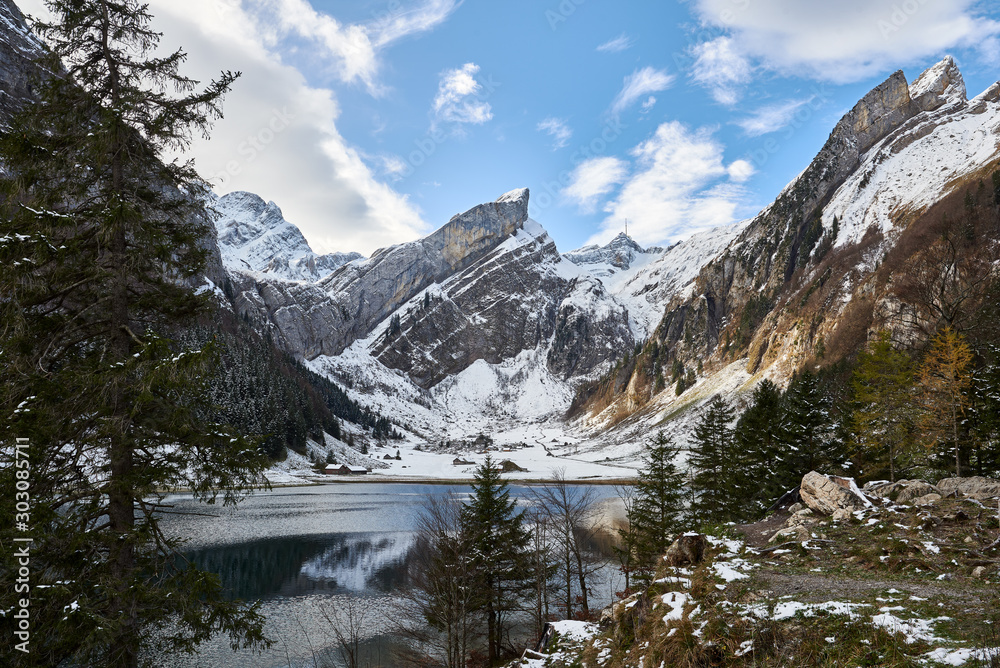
pixel 356 563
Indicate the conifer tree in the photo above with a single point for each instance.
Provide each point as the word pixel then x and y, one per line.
pixel 945 379
pixel 810 429
pixel 501 555
pixel 657 507
pixel 883 421
pixel 712 464
pixel 98 251
pixel 762 474
pixel 984 413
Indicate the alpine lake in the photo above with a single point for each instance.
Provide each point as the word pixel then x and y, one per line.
pixel 309 552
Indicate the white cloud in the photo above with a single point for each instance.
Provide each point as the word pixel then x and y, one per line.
pixel 722 69
pixel 771 118
pixel 353 48
pixel 639 84
pixel 457 99
pixel 617 45
pixel 594 178
pixel 279 137
pixel 557 129
pixel 847 40
pixel 680 186
pixel 648 105
pixel 740 170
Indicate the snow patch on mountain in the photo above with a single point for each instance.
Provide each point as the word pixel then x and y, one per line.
pixel 254 237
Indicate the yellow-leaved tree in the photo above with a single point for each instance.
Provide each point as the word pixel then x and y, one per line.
pixel 945 378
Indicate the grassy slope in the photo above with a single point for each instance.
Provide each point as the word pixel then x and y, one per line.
pixel 889 587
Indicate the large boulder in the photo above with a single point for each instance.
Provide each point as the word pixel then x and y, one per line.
pixel 901 491
pixel 976 487
pixel 827 494
pixel 688 549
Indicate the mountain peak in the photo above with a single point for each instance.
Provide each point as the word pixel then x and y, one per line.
pixel 937 85
pixel 516 195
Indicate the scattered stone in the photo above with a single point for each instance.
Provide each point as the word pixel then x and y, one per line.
pixel 828 494
pixel 689 548
pixel 979 571
pixel 841 515
pixel 796 532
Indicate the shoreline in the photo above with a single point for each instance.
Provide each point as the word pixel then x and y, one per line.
pixel 400 480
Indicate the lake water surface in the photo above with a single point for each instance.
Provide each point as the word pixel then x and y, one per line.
pixel 307 552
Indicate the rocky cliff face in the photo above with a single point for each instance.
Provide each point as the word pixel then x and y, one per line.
pixel 18 49
pixel 519 297
pixel 489 285
pixel 325 317
pixel 744 283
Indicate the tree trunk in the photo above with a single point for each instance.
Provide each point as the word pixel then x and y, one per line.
pixel 124 650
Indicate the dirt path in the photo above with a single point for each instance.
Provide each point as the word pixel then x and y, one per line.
pixel 810 588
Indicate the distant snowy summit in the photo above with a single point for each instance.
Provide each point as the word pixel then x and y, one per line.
pixel 620 252
pixel 255 237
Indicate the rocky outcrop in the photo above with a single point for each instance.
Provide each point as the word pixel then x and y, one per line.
pixel 687 550
pixel 938 85
pixel 976 487
pixel 827 494
pixel 901 491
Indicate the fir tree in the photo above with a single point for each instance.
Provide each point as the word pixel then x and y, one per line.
pixel 984 415
pixel 883 422
pixel 763 474
pixel 100 246
pixel 712 464
pixel 501 557
pixel 809 427
pixel 657 507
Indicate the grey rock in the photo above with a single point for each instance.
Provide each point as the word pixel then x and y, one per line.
pixel 511 300
pixel 828 494
pixel 18 50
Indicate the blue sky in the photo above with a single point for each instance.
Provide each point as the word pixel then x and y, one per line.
pixel 372 123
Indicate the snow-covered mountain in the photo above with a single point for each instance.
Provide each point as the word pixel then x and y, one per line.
pixel 485 325
pixel 255 237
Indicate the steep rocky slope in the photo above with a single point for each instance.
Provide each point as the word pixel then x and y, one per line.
pixel 806 280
